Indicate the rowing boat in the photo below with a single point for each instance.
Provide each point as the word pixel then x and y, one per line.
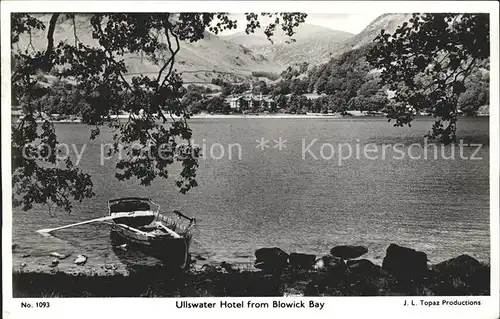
pixel 140 224
pixel 137 221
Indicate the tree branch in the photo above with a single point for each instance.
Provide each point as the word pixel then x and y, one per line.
pixel 50 34
pixel 171 59
pixel 466 71
pixel 74 29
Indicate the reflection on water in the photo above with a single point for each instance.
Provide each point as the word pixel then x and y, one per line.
pixel 279 198
pixel 133 258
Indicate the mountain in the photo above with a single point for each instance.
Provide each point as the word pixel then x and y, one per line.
pixel 315 49
pixel 247 40
pixel 388 22
pixel 320 49
pixel 312 43
pixel 258 38
pixel 234 57
pixel 198 62
pixel 346 63
pixel 315 44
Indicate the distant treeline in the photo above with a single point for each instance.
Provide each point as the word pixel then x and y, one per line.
pixel 350 83
pixel 347 82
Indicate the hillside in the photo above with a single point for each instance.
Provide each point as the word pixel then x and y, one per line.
pixel 247 40
pixel 389 22
pixel 315 44
pixel 236 56
pixel 303 32
pixel 201 61
pixel 312 43
pixel 317 49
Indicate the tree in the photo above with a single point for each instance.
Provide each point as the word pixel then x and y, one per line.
pixel 477 90
pixel 261 88
pixel 217 104
pixel 226 90
pixel 192 100
pixel 299 86
pixel 321 104
pixel 63 98
pixel 370 96
pixel 282 102
pixel 321 83
pixel 341 77
pixel 426 62
pixel 475 96
pixel 218 81
pixel 241 88
pixel 299 104
pixel 157 120
pixel 282 87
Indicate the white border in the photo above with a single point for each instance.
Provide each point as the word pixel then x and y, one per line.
pixel 335 307
pixel 354 7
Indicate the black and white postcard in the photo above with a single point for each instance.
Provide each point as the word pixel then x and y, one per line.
pixel 327 159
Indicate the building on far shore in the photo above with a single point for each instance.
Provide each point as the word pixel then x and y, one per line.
pixel 483 111
pixel 250 101
pixel 259 102
pixel 16 114
pixel 314 96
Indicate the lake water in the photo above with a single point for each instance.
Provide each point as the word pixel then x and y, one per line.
pixel 278 198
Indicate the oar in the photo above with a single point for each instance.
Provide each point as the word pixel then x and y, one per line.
pixel 168 230
pixel 192 221
pixel 182 215
pixel 101 219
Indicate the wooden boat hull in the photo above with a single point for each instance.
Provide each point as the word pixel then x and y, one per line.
pixel 173 252
pixel 142 227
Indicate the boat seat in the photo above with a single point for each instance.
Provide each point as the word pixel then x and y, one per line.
pixel 153 226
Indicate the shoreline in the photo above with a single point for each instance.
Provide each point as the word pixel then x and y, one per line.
pixel 244 116
pixel 272 116
pixel 402 273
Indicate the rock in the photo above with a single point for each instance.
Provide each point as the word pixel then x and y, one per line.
pixel 405 262
pixel 227 267
pixel 462 275
pixel 271 258
pixel 209 268
pixel 54 263
pixel 363 267
pixel 23 265
pixel 328 262
pixel 302 261
pixel 348 251
pixel 463 267
pixel 59 256
pixel 110 267
pixel 199 257
pixel 25 255
pixel 14 247
pixel 81 260
pixel 270 253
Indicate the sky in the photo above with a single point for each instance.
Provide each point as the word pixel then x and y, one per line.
pixel 353 23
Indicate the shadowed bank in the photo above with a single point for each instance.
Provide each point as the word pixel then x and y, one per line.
pixel 400 275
